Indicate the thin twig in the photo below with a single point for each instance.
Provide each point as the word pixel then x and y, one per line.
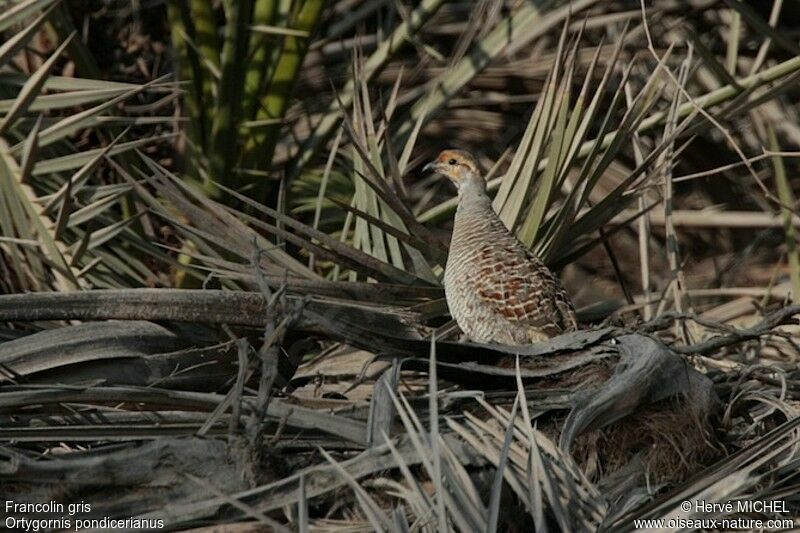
pixel 673 255
pixel 644 220
pixel 765 327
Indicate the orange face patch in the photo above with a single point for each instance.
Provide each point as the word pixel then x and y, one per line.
pixel 456 164
pixel 447 155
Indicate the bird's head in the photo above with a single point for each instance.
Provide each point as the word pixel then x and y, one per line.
pixel 458 166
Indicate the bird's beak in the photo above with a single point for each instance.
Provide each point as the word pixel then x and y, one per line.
pixel 429 166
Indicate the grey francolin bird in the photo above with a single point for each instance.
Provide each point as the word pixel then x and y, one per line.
pixel 496 288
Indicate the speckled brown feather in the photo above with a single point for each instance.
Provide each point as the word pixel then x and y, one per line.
pixel 496 288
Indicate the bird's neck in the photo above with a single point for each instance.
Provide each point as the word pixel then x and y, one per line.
pixel 475 218
pixel 472 194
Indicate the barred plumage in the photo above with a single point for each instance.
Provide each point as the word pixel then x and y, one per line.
pixel 496 288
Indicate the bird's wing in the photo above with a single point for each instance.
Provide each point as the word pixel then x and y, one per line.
pixel 515 283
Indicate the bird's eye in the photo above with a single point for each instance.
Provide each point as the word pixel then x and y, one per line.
pixel 452 161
